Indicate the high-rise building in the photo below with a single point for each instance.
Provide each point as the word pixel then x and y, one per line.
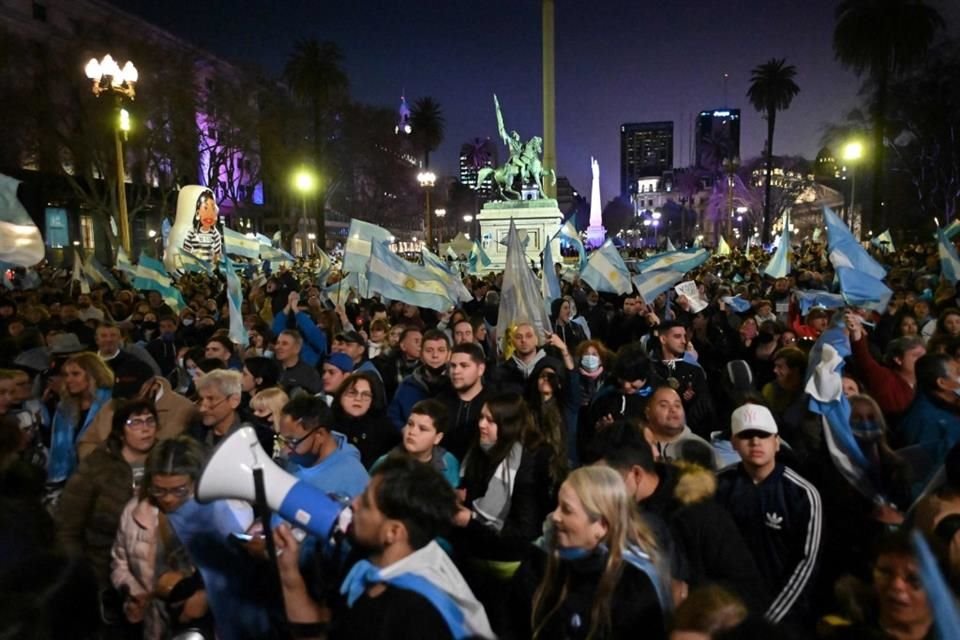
pixel 717 137
pixel 646 149
pixel 475 155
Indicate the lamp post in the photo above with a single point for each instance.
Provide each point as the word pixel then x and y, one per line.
pixel 656 228
pixel 730 167
pixel 852 152
pixel 468 219
pixel 427 179
pixel 304 183
pixel 108 77
pixel 440 213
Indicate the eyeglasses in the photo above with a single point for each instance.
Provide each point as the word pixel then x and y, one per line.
pixel 142 423
pixel 182 491
pixel 292 443
pixel 362 395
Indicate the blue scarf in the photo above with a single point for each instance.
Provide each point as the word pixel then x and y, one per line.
pixel 66 432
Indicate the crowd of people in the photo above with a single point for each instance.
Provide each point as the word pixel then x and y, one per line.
pixel 639 469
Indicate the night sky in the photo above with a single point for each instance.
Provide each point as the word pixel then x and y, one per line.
pixel 617 61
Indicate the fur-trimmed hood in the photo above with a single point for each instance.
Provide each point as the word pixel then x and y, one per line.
pixel 693 483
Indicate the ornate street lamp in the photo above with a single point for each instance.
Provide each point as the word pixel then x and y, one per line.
pixel 108 77
pixel 440 213
pixel 304 183
pixel 427 180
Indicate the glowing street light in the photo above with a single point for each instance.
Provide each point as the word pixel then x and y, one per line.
pixel 427 180
pixel 852 153
pixel 305 183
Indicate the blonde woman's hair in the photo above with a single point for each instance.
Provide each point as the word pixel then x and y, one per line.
pixel 604 498
pixel 98 371
pixel 272 400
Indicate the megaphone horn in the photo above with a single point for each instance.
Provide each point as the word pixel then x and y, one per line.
pixel 229 475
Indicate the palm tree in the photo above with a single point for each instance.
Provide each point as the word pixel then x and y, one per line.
pixel 880 39
pixel 426 119
pixel 316 78
pixel 772 89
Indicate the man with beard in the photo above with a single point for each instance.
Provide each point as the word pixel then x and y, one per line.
pixel 465 397
pixel 427 380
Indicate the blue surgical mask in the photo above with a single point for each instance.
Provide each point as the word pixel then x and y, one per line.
pixel 590 362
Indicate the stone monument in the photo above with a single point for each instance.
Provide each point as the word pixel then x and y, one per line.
pixel 596 233
pixel 519 183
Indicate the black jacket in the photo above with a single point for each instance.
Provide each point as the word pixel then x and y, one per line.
pixel 704 532
pixel 780 520
pixel 634 608
pixel 462 420
pixel 130 373
pixel 698 409
pixel 373 435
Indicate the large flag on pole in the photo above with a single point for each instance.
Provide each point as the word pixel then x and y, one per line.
pixel 884 242
pixel 520 299
pixel 683 260
pixel 20 241
pixel 606 271
pixel 845 250
pixel 237 244
pixel 360 239
pixel 390 275
pixel 779 265
pixel 651 284
pixel 238 333
pixel 77 275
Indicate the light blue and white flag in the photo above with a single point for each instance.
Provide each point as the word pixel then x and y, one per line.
pixel 779 265
pixel 96 272
pixel 737 303
pixel 884 242
pixel 455 287
pixel 863 290
pixel 549 282
pixel 360 239
pixel 946 616
pixel 825 388
pixel 275 256
pixel 478 259
pixel 192 264
pixel 952 229
pixel 723 249
pixel 606 270
pixel 78 275
pixel 520 299
pixel 670 247
pixel 324 267
pixel 151 275
pixel 949 263
pixel 237 244
pixel 569 232
pixel 812 298
pixel 651 284
pixel 683 260
pixel 124 264
pixel 393 277
pixel 238 333
pixel 20 241
pixel 845 250
pixel 339 291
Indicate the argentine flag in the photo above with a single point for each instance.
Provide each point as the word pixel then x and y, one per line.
pixel 779 265
pixel 737 303
pixel 360 240
pixel 606 271
pixel 97 273
pixel 946 616
pixel 237 244
pixel 949 263
pixel 520 298
pixel 670 246
pixel 78 270
pixel 651 284
pixel 812 298
pixel 863 290
pixel 455 287
pixel 192 264
pixel 393 277
pixel 884 242
pixel 683 260
pixel 845 250
pixel 238 333
pixel 478 260
pixel 151 275
pixel 20 241
pixel 569 232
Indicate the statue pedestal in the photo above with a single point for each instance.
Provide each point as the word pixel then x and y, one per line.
pixel 596 236
pixel 540 219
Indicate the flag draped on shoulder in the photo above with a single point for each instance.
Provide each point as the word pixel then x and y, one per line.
pixel 683 260
pixel 520 299
pixel 360 240
pixel 569 232
pixel 949 263
pixel 651 284
pixel 238 333
pixel 845 250
pixel 390 275
pixel 237 244
pixel 20 241
pixel 606 270
pixel 779 265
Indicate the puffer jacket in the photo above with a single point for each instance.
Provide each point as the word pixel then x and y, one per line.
pixel 134 559
pixel 89 510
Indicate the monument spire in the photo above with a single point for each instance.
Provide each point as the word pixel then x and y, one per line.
pixel 596 233
pixel 549 97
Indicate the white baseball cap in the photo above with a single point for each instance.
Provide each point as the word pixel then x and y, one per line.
pixel 752 417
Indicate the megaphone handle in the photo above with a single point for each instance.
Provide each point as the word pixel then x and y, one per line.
pixel 266 515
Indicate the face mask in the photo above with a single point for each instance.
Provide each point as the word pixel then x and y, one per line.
pixel 867 431
pixel 149 326
pixel 167 337
pixel 486 446
pixel 590 362
pixel 437 371
pixel 187 322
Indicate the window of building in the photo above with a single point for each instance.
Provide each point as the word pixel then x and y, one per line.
pixel 39 12
pixel 57 234
pixel 86 232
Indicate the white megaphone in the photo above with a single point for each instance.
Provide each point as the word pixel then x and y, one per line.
pixel 230 474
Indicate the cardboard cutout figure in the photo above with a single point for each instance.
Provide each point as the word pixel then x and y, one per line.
pixel 195 228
